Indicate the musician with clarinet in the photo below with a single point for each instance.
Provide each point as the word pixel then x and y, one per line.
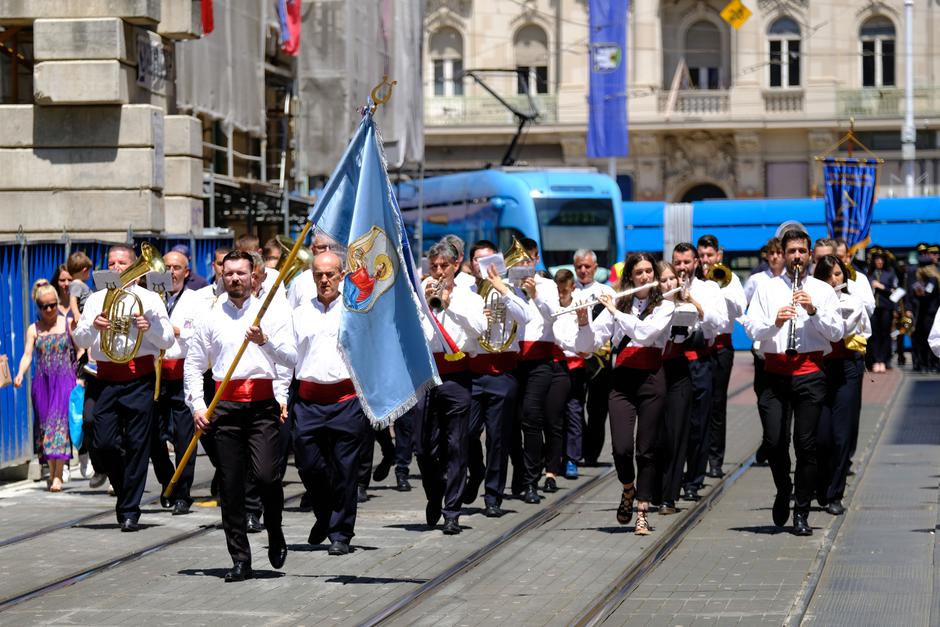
pixel 795 317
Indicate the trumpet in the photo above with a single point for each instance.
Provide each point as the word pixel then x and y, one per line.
pixel 720 274
pixel 435 300
pixel 594 300
pixel 791 331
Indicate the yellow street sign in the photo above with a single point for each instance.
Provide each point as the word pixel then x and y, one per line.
pixel 735 13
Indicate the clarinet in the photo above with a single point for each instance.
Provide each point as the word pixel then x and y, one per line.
pixel 791 331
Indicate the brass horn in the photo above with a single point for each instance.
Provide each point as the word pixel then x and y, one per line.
pixel 121 340
pixel 301 262
pixel 719 273
pixel 498 337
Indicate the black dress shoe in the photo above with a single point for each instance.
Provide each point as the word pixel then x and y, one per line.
pixel 240 572
pixel 381 471
pixel 715 472
pixel 690 493
pixel 781 508
pixel 470 490
pixel 318 533
pixel 129 525
pixel 277 548
pixel 835 508
pixel 165 501
pixel 180 507
pixel 550 485
pixel 361 495
pixel 668 508
pixel 402 484
pixel 531 495
pixel 338 548
pixel 253 524
pixel 432 513
pixel 451 527
pixel 800 525
pixel 493 511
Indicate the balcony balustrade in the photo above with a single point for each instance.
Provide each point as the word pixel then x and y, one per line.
pixel 885 102
pixel 695 102
pixel 485 110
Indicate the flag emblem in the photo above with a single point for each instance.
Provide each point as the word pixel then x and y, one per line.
pixel 606 57
pixel 370 271
pixel 735 13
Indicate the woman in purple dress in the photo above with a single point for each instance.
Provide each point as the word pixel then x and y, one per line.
pixel 53 380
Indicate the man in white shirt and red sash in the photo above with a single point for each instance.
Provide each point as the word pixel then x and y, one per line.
pixel 330 427
pixel 440 432
pixel 248 416
pixel 123 411
pixel 795 326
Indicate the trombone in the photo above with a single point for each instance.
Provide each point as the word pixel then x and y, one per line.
pixel 719 273
pixel 594 300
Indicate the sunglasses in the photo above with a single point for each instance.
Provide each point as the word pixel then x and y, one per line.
pixel 47 306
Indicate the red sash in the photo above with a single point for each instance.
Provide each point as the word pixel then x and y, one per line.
pixel 119 373
pixel 494 363
pixel 172 369
pixel 698 353
pixel 247 390
pixel 793 365
pixel 640 358
pixel 575 362
pixel 326 393
pixel 449 367
pixel 536 351
pixel 451 344
pixel 722 341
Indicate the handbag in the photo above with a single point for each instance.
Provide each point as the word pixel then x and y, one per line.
pixel 76 410
pixel 5 378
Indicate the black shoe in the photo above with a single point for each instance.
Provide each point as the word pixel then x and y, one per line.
pixel 550 485
pixel 690 493
pixel 493 511
pixel 318 533
pixel 402 484
pixel 715 472
pixel 339 547
pixel 432 513
pixel 381 471
pixel 800 526
pixel 667 508
pixel 781 509
pixel 165 501
pixel 180 507
pixel 451 527
pixel 277 548
pixel 129 525
pixel 253 524
pixel 240 572
pixel 760 457
pixel 625 509
pixel 835 508
pixel 361 495
pixel 531 495
pixel 306 502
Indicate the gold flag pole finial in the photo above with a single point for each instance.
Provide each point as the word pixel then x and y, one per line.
pixel 374 95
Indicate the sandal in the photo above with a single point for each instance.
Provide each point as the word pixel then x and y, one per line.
pixel 642 525
pixel 55 485
pixel 625 511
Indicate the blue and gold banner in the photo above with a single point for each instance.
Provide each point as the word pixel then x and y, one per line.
pixel 850 199
pixel 607 98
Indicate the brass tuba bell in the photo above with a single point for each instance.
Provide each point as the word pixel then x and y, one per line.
pixel 302 260
pixel 121 340
pixel 720 274
pixel 498 337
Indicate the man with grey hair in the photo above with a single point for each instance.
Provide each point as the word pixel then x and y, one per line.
pixel 461 279
pixel 303 288
pixel 590 386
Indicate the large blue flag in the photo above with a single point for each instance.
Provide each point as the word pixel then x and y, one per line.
pixel 850 199
pixel 380 335
pixel 607 100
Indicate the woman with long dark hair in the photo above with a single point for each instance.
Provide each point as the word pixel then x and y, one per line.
pixel 636 326
pixel 61 279
pixel 883 282
pixel 845 367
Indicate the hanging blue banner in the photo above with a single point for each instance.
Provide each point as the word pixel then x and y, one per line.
pixel 607 100
pixel 850 199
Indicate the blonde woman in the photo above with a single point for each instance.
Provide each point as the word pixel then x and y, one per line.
pixel 53 380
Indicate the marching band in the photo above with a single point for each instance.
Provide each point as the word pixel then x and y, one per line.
pixel 530 370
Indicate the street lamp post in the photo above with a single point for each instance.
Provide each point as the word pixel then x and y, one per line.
pixel 908 132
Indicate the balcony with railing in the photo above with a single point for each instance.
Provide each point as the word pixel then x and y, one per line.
pixel 695 102
pixel 485 110
pixel 783 101
pixel 885 102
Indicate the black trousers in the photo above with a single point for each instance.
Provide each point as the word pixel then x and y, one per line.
pixel 838 426
pixel 92 392
pixel 722 362
pixel 636 405
pixel 803 396
pixel 674 435
pixel 328 443
pixel 574 414
pixel 123 417
pixel 404 441
pixel 173 422
pixel 700 371
pixel 922 358
pixel 880 346
pixel 596 405
pixel 440 439
pixel 247 442
pixel 492 405
pixel 384 439
pixel 543 388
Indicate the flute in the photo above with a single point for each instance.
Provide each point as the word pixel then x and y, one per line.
pixel 595 300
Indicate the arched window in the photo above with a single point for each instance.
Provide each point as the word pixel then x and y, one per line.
pixel 446 53
pixel 784 37
pixel 703 55
pixel 877 41
pixel 531 48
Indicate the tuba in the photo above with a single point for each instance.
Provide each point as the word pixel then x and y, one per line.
pixel 121 340
pixel 720 274
pixel 498 335
pixel 301 262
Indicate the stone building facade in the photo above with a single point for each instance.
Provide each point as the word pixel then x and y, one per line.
pixel 713 111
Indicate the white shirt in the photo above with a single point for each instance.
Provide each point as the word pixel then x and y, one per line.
pixel 855 320
pixel 861 287
pixel 303 288
pixel 463 320
pixel 158 337
pixel 517 311
pixel 648 332
pixel 316 334
pixel 715 313
pixel 750 286
pixel 545 303
pixel 189 307
pixel 813 333
pixel 218 336
pixel 565 329
pixel 735 303
pixel 584 292
pixel 933 340
pixel 464 280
